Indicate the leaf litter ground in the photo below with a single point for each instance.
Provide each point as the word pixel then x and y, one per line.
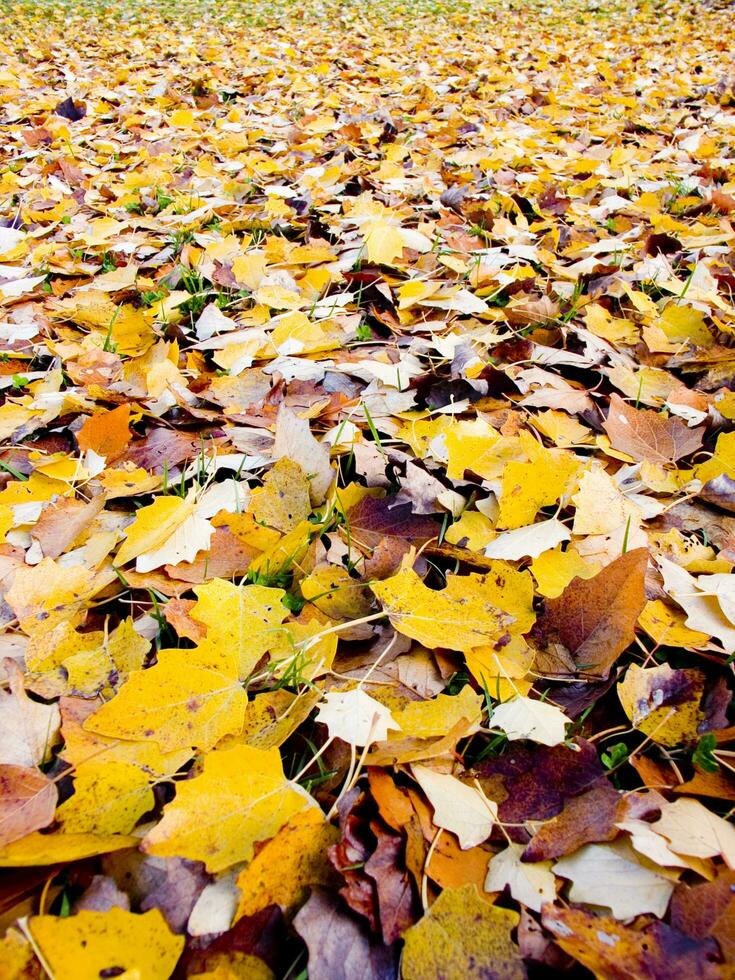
pixel 368 478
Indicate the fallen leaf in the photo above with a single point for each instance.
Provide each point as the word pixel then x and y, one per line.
pixel 646 435
pixel 526 718
pixel 458 807
pixel 27 802
pixel 241 797
pixel 90 944
pixel 461 936
pixel 595 619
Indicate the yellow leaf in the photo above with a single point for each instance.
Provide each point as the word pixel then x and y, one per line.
pixel 153 525
pixel 81 746
pixel 663 703
pixel 472 445
pixel 38 850
pixel 243 621
pixel 45 594
pixel 527 487
pixel 288 865
pixel 182 118
pixel 666 626
pixel 473 531
pixel 461 616
pixel 502 672
pixel 178 703
pixel 384 242
pixel 90 945
pixel 334 592
pixel 109 798
pixel 434 718
pixel 684 324
pixel 555 569
pixel 274 715
pixel 461 937
pixel 241 797
pixel 283 501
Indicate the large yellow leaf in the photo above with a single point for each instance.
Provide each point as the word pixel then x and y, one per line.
pixel 37 850
pixel 461 937
pixel 91 945
pixel 472 611
pixel 180 702
pixel 243 621
pixel 109 798
pixel 527 487
pixel 241 797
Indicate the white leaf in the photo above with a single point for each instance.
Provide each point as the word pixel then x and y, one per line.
pixel 27 729
pixel 215 907
pixel 191 537
pixel 528 542
pixel 295 441
pixel 694 830
pixel 525 718
pixel 609 875
pixel 531 884
pixel 17 287
pixel 651 845
pixel 213 321
pixel 704 612
pixel 10 238
pixel 459 808
pixel 355 717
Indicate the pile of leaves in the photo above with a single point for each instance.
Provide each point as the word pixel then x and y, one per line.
pixel 368 490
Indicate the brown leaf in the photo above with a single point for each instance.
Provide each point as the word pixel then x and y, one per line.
pixel 707 909
pixel 162 448
pixel 534 783
pixel 595 618
pixel 720 491
pixel 27 802
pixel 585 819
pixel 373 518
pixel 228 557
pixel 339 948
pixel 395 893
pixel 62 522
pixel 169 884
pixel 646 435
pixel 613 951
